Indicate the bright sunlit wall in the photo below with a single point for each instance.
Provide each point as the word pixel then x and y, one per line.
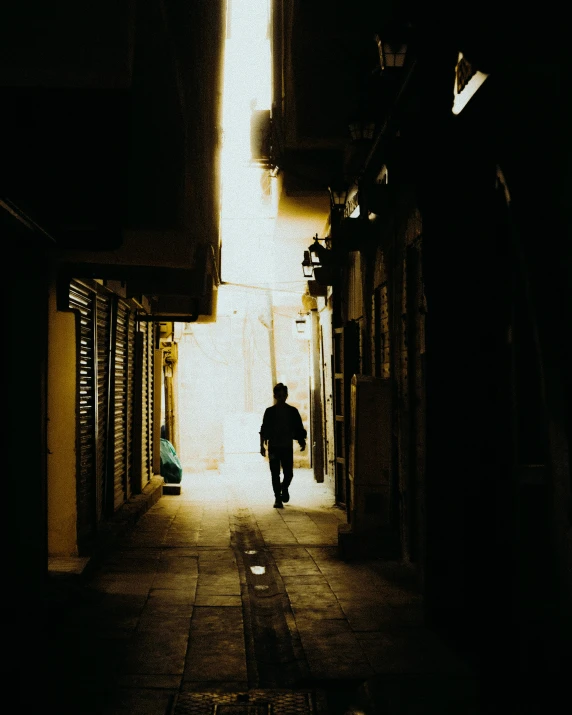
pixel 248 201
pixel 227 369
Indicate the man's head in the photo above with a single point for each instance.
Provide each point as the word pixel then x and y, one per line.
pixel 280 392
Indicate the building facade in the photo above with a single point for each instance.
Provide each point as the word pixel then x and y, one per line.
pixel 444 274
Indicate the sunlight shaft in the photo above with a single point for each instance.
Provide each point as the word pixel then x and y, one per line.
pixel 248 207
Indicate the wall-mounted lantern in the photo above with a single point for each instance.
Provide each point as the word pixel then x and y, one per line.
pixel 391 54
pixel 302 326
pixel 319 255
pixel 338 197
pixel 301 323
pixel 361 130
pixel 307 266
pixel 319 262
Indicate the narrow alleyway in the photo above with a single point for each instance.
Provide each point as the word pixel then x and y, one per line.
pixel 216 601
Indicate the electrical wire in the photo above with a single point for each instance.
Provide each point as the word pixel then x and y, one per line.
pixel 219 362
pixel 264 288
pixel 249 323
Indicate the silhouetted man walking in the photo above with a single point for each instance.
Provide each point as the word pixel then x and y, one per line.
pixel 281 425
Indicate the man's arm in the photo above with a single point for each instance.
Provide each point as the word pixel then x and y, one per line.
pixel 263 437
pixel 301 432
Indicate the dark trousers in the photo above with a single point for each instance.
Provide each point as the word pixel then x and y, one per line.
pixel 281 457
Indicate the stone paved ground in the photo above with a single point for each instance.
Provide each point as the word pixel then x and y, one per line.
pixel 215 598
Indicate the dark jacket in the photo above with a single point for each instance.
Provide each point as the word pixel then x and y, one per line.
pixel 293 421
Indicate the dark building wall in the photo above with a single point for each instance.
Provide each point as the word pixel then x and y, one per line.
pixel 66 160
pixel 65 72
pixel 491 271
pixel 25 298
pixel 112 117
pixel 157 141
pixel 485 400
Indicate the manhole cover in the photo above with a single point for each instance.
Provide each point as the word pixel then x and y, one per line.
pixel 242 709
pixel 253 702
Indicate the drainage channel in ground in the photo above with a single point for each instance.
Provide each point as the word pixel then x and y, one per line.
pixel 277 658
pixel 279 681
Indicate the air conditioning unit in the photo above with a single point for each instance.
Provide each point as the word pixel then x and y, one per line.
pixel 260 136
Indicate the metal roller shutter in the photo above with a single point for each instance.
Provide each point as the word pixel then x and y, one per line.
pixel 148 404
pixel 81 299
pixel 130 400
pixel 145 401
pixel 93 369
pixel 144 411
pixel 120 383
pixel 103 323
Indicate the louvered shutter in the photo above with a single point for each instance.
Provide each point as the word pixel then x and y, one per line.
pixel 103 337
pixel 94 311
pixel 146 348
pixel 120 403
pixel 82 300
pixel 148 436
pixel 130 400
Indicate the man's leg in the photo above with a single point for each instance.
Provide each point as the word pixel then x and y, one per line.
pixel 287 459
pixel 274 462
